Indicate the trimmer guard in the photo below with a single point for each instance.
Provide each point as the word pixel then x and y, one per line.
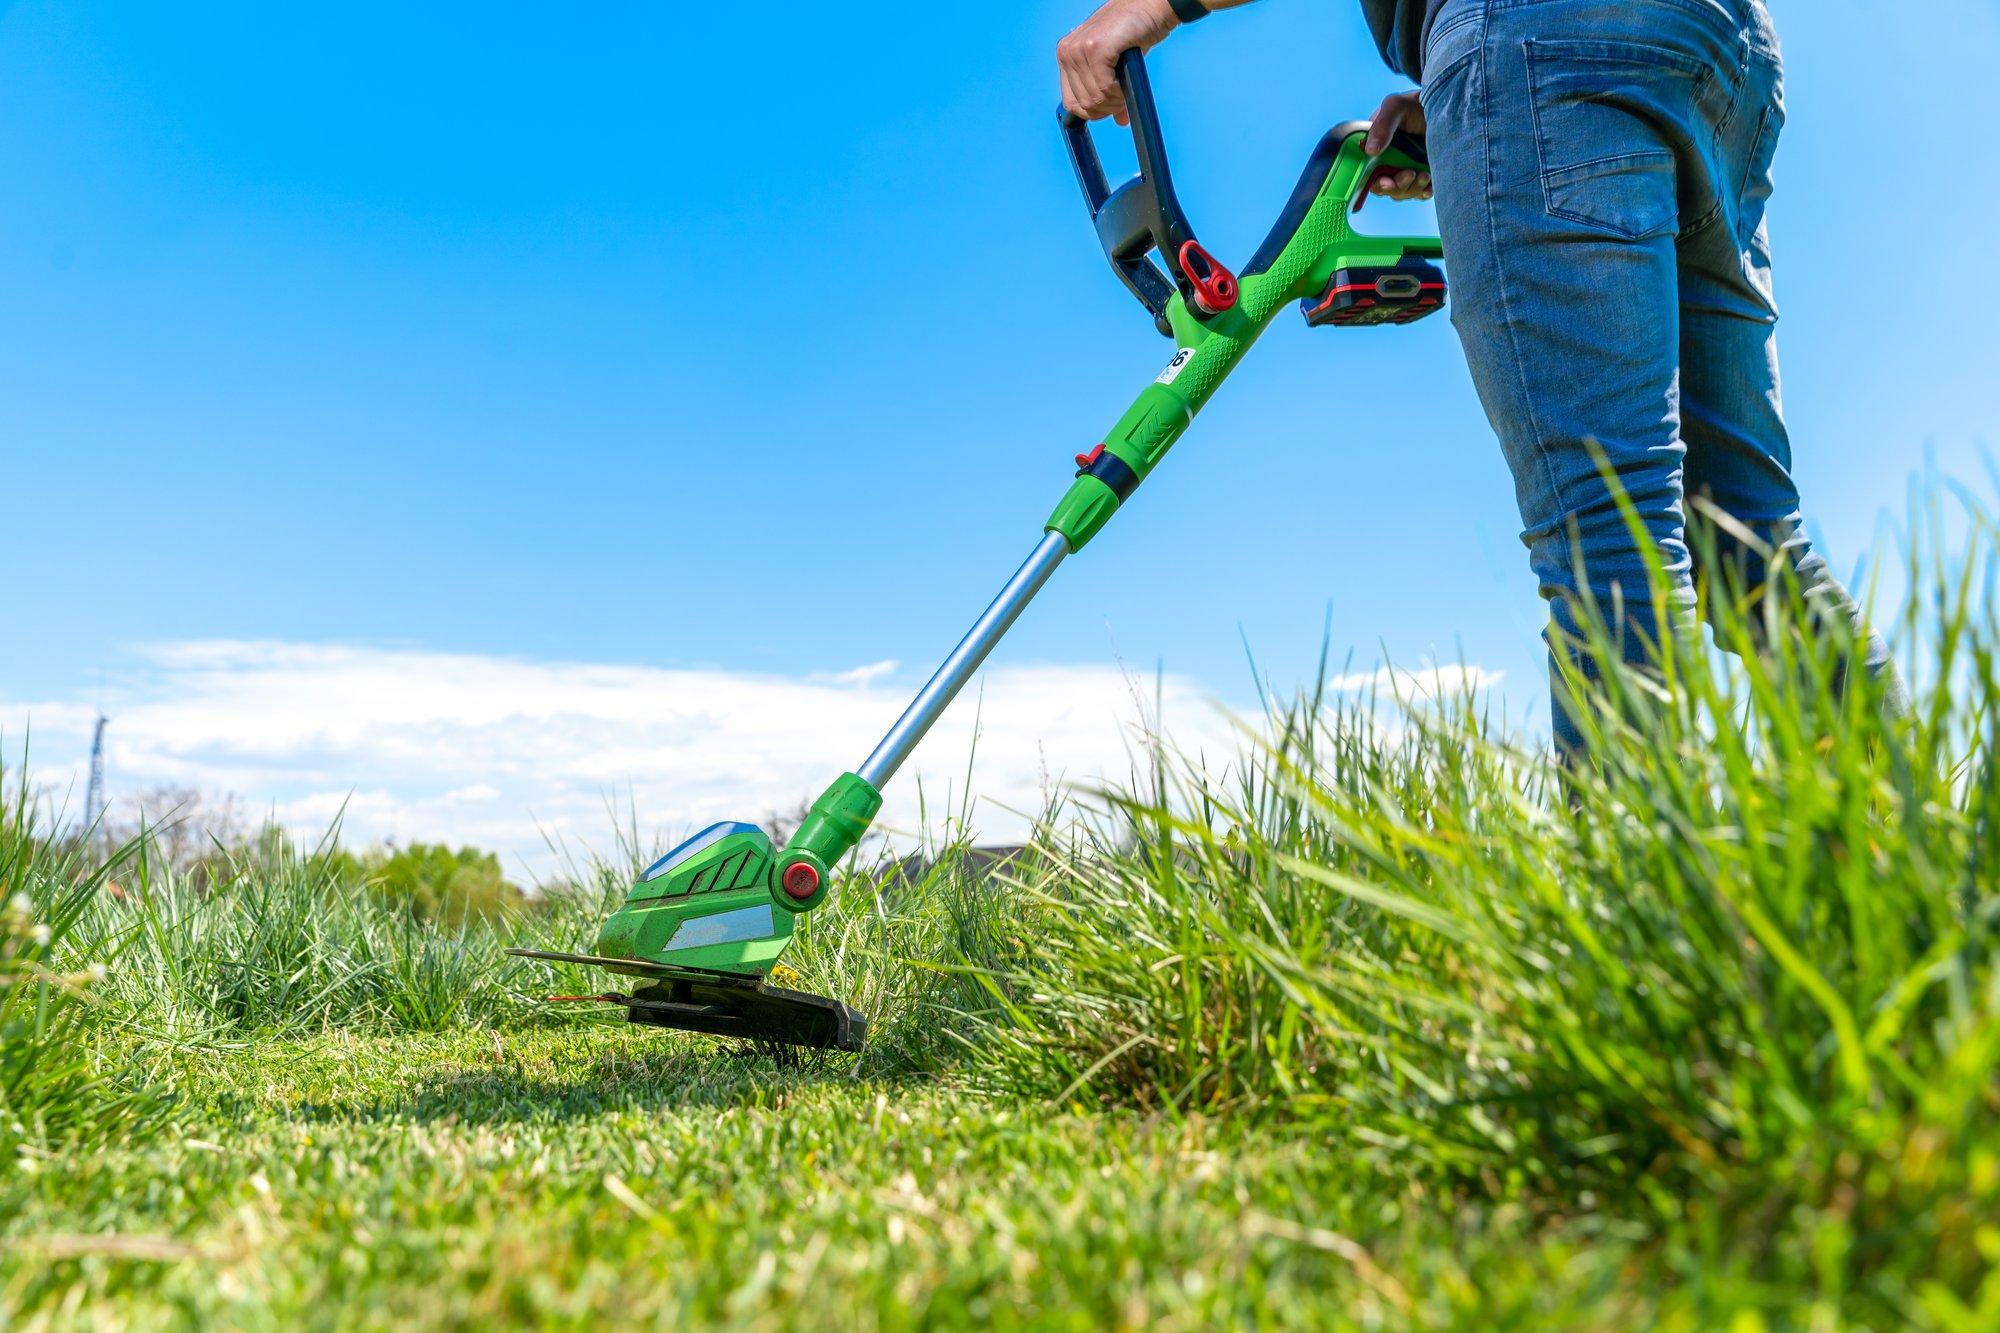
pixel 748 1009
pixel 721 1005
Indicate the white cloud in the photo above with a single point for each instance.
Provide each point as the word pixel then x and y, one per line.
pixel 414 744
pixel 1432 684
pixel 496 751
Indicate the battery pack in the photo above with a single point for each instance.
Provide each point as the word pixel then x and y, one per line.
pixel 1400 293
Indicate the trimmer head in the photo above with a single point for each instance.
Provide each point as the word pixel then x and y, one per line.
pixel 722 1005
pixel 704 925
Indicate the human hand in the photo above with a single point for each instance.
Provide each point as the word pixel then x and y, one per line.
pixel 1087 59
pixel 1400 111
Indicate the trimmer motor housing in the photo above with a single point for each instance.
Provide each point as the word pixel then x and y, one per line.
pixel 1399 293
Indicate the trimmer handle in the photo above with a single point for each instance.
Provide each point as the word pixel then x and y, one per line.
pixel 1406 152
pixel 1144 215
pixel 1413 147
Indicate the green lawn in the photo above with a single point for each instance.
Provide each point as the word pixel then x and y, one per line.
pixel 596 1173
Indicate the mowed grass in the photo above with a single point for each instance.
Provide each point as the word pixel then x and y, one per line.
pixel 594 1173
pixel 1390 1023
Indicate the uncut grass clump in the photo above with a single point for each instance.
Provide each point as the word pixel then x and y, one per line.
pixel 1733 976
pixel 54 1086
pixel 913 942
pixel 1161 915
pixel 275 940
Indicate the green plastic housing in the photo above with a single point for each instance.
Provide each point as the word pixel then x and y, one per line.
pixel 709 905
pixel 832 828
pixel 718 902
pixel 1209 346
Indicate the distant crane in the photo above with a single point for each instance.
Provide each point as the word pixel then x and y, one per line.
pixel 93 795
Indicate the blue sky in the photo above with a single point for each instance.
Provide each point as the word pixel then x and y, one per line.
pixel 418 344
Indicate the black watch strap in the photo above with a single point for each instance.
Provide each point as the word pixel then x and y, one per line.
pixel 1189 11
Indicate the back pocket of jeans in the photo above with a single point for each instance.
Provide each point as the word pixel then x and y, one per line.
pixel 1602 111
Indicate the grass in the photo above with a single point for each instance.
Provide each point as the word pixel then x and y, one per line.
pixel 1392 1024
pixel 55 1084
pixel 594 1173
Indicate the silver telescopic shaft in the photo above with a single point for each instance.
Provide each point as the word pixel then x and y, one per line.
pixel 950 678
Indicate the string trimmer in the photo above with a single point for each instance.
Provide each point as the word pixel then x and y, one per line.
pixel 704 925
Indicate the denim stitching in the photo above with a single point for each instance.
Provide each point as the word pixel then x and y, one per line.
pixel 1515 357
pixel 1626 51
pixel 1644 155
pixel 1750 166
pixel 1465 18
pixel 1694 229
pixel 1686 6
pixel 1470 14
pixel 1542 172
pixel 1714 162
pixel 1739 76
pixel 1444 75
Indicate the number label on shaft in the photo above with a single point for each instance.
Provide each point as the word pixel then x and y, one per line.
pixel 1174 367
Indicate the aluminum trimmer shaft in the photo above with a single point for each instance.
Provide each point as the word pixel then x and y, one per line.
pixel 957 669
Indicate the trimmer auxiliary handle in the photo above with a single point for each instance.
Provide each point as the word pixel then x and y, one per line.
pixel 1144 214
pixel 725 900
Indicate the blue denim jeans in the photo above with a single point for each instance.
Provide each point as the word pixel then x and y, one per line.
pixel 1602 168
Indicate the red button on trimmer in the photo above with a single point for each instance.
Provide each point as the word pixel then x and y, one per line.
pixel 800 880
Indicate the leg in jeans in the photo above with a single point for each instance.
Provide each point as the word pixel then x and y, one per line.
pixel 1576 144
pixel 1739 455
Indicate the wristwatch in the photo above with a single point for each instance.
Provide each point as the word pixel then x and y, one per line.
pixel 1189 11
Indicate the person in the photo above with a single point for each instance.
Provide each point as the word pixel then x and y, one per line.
pixel 1601 170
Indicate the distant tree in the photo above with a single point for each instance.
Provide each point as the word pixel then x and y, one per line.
pixel 439 884
pixel 782 824
pixel 341 866
pixel 180 828
pixel 206 839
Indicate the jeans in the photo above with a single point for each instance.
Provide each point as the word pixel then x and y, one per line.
pixel 1602 169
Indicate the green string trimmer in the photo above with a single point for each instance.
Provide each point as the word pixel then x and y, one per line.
pixel 705 924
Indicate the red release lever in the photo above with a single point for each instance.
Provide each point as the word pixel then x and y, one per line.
pixel 1214 285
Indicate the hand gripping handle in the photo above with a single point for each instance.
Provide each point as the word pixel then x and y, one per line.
pixel 1413 147
pixel 1144 215
pixel 1406 152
